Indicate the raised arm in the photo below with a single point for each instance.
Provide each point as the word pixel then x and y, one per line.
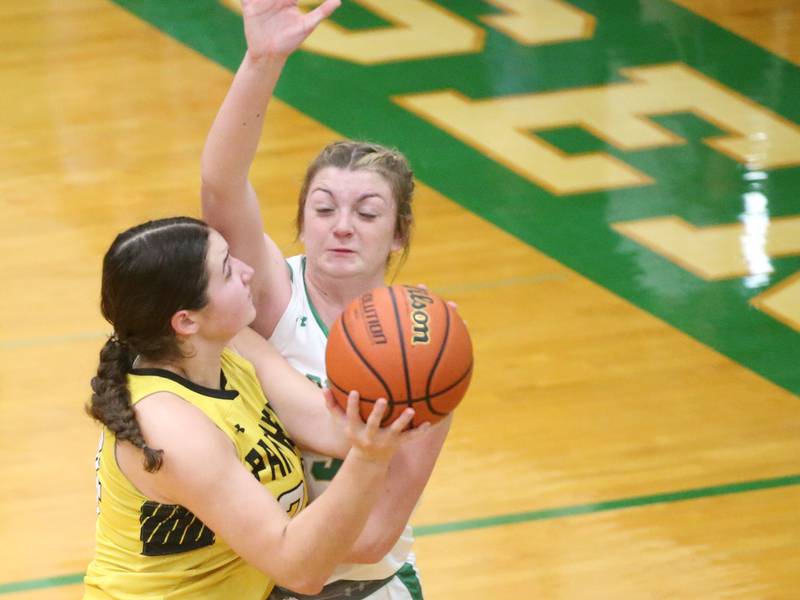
pixel 274 29
pixel 202 472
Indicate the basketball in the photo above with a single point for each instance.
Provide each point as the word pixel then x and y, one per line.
pixel 404 344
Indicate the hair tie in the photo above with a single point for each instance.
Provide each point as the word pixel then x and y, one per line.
pixel 115 339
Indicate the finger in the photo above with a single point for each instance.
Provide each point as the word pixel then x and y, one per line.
pixel 376 416
pixel 353 412
pixel 327 394
pixel 403 421
pixel 331 404
pixel 323 11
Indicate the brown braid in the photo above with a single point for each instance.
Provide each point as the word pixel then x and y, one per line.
pixel 111 400
pixel 150 271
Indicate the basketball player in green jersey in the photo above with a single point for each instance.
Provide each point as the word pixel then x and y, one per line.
pixel 354 213
pixel 200 487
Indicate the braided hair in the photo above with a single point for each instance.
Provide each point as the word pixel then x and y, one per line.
pixel 150 272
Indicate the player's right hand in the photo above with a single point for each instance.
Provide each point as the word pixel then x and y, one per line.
pixel 372 442
pixel 276 28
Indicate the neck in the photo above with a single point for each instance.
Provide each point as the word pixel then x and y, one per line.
pixel 331 295
pixel 202 366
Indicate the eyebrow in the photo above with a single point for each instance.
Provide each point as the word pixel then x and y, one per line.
pixel 359 199
pixel 370 195
pixel 225 261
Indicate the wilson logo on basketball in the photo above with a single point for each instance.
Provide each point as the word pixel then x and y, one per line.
pixel 419 300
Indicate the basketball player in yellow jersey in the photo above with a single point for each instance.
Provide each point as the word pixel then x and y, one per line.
pixel 354 213
pixel 200 486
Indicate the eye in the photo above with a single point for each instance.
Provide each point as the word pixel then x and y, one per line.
pixel 323 210
pixel 367 216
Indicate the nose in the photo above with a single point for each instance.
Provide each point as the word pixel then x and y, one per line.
pixel 246 271
pixel 344 225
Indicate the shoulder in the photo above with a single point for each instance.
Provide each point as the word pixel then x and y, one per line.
pixel 277 296
pixel 257 355
pixel 297 305
pixel 194 450
pixel 168 420
pixel 245 348
pixel 295 265
pixel 234 357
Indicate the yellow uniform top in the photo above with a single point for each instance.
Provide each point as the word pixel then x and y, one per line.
pixel 144 549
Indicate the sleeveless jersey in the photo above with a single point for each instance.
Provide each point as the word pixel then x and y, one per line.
pixel 144 549
pixel 301 336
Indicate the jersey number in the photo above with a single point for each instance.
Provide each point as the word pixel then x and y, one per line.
pixel 325 470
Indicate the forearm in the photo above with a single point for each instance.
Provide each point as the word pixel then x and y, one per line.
pixel 406 478
pixel 234 136
pixel 382 528
pixel 300 404
pixel 318 539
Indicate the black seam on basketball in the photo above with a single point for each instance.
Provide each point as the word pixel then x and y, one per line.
pixel 438 358
pixel 426 398
pixel 366 363
pixel 331 382
pixel 401 337
pixel 447 389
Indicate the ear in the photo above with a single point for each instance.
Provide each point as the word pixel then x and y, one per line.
pixel 184 323
pixel 397 243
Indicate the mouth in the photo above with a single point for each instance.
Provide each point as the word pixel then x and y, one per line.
pixel 342 251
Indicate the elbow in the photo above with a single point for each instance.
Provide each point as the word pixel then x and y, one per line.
pixel 299 578
pixel 305 585
pixel 209 173
pixel 209 189
pixel 213 202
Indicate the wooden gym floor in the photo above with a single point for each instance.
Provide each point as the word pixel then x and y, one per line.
pixel 633 429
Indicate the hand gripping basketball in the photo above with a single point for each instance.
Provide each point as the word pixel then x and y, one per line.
pixel 368 439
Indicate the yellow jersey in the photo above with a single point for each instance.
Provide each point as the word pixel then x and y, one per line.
pixel 148 550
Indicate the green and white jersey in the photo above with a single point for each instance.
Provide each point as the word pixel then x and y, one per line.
pixel 301 336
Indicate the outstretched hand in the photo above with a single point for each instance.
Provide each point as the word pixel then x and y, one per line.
pixel 278 27
pixel 370 440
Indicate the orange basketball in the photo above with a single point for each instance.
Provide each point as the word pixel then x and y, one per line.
pixel 404 344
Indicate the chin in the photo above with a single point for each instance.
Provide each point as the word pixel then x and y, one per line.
pixel 351 273
pixel 341 267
